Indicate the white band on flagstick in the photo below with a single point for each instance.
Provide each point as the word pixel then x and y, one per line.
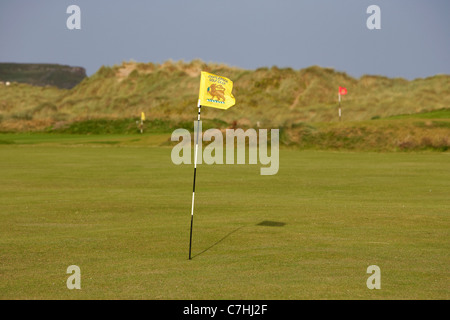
pixel 195 173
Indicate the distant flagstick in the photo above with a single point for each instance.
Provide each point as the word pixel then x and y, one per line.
pixel 339 106
pixel 342 91
pixel 142 122
pixel 195 173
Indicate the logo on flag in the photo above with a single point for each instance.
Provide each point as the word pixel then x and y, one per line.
pixel 342 90
pixel 215 91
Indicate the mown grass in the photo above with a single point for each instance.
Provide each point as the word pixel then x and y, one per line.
pixel 121 212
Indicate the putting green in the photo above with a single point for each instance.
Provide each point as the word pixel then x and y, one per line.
pixel 121 212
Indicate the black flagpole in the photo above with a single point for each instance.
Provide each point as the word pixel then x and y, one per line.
pixel 195 173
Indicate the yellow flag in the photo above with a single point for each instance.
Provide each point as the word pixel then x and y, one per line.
pixel 142 116
pixel 215 91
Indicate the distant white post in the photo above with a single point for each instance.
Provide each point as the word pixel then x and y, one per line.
pixel 339 106
pixel 342 91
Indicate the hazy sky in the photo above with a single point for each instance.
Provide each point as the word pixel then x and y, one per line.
pixel 414 39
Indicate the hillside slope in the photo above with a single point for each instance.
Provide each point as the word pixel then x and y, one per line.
pixel 42 74
pixel 270 97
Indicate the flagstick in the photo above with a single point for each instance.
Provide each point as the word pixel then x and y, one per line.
pixel 339 106
pixel 195 173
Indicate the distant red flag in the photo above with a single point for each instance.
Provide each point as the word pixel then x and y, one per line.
pixel 342 90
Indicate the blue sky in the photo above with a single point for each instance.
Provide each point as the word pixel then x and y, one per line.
pixel 413 42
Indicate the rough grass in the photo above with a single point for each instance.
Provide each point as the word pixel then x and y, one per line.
pixel 402 134
pixel 272 97
pixel 378 114
pixel 379 135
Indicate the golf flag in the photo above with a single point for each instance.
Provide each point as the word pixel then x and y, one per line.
pixel 342 90
pixel 142 116
pixel 215 91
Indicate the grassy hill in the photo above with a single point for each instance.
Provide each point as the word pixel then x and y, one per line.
pixel 42 74
pixel 303 103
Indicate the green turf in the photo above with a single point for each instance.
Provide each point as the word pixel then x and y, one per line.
pixel 121 212
pixel 435 114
